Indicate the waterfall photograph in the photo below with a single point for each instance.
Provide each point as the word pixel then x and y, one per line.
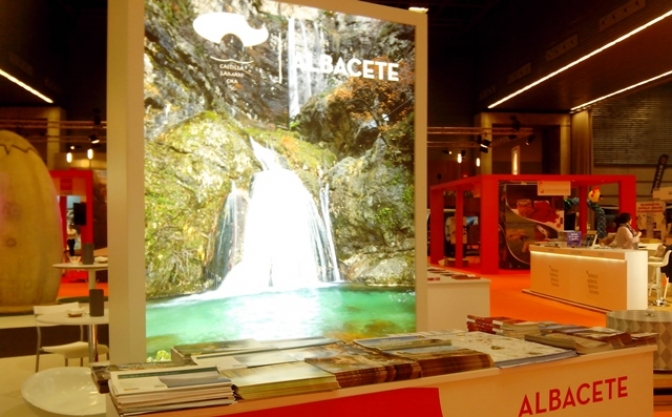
pixel 279 172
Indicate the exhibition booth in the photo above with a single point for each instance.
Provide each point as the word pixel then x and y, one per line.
pixel 130 166
pixel 615 382
pixel 517 210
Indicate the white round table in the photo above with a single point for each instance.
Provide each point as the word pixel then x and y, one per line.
pixel 62 318
pixel 90 268
pixel 64 392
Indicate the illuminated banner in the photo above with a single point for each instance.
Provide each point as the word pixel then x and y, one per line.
pixel 279 156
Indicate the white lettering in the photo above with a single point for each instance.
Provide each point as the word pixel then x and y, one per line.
pixel 231 67
pixel 354 67
pixel 340 67
pixel 231 74
pixel 326 65
pixel 351 67
pixel 392 72
pixel 381 69
pixel 367 70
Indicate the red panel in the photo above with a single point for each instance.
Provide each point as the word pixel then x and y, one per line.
pixel 489 221
pixel 67 177
pixel 436 229
pixel 459 224
pixel 627 197
pixel 403 403
pixel 583 209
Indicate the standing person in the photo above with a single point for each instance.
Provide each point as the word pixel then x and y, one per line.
pixel 72 238
pixel 626 237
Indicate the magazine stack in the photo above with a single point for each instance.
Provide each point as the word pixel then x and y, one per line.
pixel 353 370
pixel 434 356
pixel 282 379
pixel 150 390
pixel 505 326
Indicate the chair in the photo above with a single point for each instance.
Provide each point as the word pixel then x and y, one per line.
pixel 78 349
pixel 656 281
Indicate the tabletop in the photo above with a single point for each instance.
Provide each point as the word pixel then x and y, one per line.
pixel 63 319
pixel 82 267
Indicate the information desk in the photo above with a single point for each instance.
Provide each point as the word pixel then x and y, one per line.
pixel 608 279
pixel 615 383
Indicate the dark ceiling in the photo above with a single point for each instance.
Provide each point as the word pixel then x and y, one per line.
pixel 53 34
pixel 457 17
pixel 454 23
pixel 479 24
pixel 640 57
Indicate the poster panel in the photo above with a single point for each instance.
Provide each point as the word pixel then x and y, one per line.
pixel 279 155
pixel 651 219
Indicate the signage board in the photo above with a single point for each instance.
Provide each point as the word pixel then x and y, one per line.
pixel 562 188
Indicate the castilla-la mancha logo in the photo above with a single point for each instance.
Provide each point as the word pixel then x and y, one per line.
pixel 219 26
pixel 215 26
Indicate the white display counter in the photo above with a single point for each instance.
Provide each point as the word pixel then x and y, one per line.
pixel 450 300
pixel 607 279
pixel 615 383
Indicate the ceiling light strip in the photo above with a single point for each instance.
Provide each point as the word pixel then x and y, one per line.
pixel 583 58
pixel 416 9
pixel 25 86
pixel 657 77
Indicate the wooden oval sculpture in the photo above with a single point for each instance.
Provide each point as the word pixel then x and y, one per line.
pixel 30 230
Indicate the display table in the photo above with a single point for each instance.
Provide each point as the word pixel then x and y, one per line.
pixel 90 268
pixel 614 383
pixel 62 318
pixel 450 300
pixel 647 321
pixel 607 279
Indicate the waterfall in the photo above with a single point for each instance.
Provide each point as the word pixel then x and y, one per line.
pixel 317 52
pixel 324 205
pixel 285 240
pixel 292 78
pixel 307 91
pixel 230 227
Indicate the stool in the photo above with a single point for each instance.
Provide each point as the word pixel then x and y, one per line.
pixel 656 281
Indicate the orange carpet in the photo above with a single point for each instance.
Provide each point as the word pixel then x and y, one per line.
pixel 508 299
pixel 78 289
